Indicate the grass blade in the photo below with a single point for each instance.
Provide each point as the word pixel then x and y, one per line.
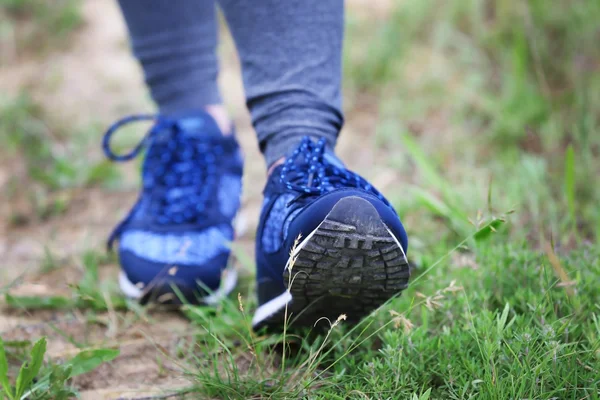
pixel 4 372
pixel 570 180
pixel 88 360
pixel 39 303
pixel 30 369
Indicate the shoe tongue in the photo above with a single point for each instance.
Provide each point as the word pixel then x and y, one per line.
pixel 197 122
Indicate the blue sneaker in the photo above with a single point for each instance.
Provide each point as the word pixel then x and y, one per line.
pixel 351 253
pixel 178 234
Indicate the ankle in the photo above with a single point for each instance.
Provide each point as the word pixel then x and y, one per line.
pixel 275 165
pixel 221 117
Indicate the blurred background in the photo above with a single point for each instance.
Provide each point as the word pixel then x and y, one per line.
pixel 458 110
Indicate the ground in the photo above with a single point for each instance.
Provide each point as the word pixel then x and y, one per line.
pixel 482 131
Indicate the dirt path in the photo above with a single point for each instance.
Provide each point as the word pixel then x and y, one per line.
pixel 97 80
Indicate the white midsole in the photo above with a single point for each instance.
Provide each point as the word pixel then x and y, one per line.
pixel 228 282
pixel 271 307
pixel 128 288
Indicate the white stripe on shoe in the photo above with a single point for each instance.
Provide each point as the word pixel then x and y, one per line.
pixel 398 243
pixel 228 282
pixel 271 307
pixel 128 288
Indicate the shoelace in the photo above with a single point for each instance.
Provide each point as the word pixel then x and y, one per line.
pixel 185 169
pixel 308 172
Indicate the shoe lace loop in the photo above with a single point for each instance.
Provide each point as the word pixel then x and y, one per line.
pixel 182 169
pixel 160 123
pixel 307 171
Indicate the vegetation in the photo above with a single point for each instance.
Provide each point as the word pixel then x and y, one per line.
pixel 488 117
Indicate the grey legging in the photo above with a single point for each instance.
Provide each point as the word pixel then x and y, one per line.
pixel 290 51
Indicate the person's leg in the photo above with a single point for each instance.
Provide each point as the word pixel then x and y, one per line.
pixel 291 53
pixel 175 42
pixel 180 230
pixel 351 255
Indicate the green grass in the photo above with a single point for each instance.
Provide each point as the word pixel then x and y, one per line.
pixel 36 379
pixel 502 321
pixel 89 293
pixel 505 313
pixel 36 26
pixel 54 156
pixel 55 160
pixel 489 116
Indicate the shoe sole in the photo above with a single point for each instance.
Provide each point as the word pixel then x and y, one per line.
pixel 162 292
pixel 350 264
